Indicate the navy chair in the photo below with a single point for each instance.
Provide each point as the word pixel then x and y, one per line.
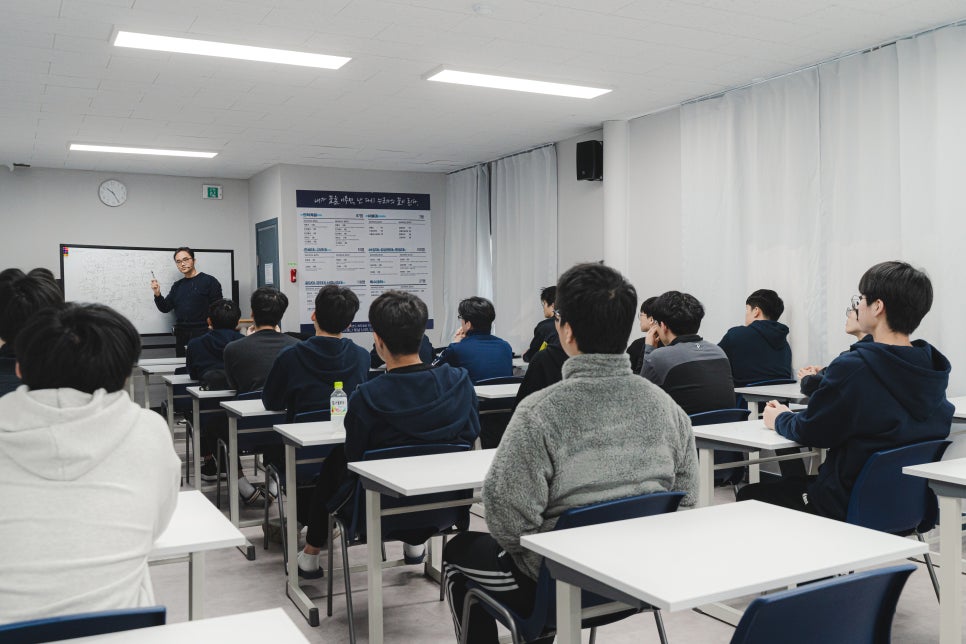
pixel 495 413
pixel 885 499
pixel 412 528
pixel 542 621
pixel 305 472
pixel 54 629
pixel 854 609
pixel 734 475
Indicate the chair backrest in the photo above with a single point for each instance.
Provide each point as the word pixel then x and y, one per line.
pixel 416 527
pixel 314 416
pixel 544 616
pixel 855 609
pixel 53 629
pixel 719 416
pixel 883 498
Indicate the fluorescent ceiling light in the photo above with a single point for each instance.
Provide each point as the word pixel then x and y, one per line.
pixel 227 50
pixel 516 84
pixel 81 147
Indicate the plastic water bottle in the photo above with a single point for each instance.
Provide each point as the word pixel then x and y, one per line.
pixel 338 406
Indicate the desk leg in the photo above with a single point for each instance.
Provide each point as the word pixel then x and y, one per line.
pixel 196 440
pixel 130 385
pixel 434 559
pixel 753 408
pixel 705 477
pixel 568 613
pixel 169 395
pixel 950 574
pixel 292 589
pixel 233 511
pixel 374 548
pixel 147 394
pixel 196 585
pixel 754 470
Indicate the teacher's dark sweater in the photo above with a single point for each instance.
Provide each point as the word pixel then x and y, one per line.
pixel 190 298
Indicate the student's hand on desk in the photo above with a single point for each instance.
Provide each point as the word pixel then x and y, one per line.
pixel 651 338
pixel 771 412
pixel 156 287
pixel 808 371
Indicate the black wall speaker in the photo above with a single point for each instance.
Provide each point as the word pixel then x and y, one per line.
pixel 590 161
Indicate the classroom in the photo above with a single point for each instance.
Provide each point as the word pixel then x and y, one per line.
pixel 731 145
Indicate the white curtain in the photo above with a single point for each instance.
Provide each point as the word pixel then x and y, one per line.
pixel 524 217
pixel 466 253
pixel 802 183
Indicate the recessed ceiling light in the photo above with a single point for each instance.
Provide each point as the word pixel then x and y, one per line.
pixel 516 84
pixel 227 50
pixel 82 147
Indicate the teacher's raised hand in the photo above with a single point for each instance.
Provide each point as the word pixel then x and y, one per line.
pixel 156 288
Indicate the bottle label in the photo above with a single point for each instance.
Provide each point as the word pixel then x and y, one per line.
pixel 338 406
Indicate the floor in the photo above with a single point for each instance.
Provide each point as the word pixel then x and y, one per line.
pixel 413 612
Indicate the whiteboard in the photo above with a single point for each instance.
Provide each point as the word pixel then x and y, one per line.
pixel 120 277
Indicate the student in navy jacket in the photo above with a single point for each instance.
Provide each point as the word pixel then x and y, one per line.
pixel 474 348
pixel 304 375
pixel 207 353
pixel 759 350
pixel 882 394
pixel 411 404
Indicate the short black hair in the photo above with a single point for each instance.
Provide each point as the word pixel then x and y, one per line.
pixel 268 306
pixel 10 274
pixel 549 295
pixel 768 301
pixel 399 318
pixel 81 346
pixel 21 298
pixel 906 292
pixel 681 312
pixel 479 312
pixel 42 272
pixel 599 305
pixel 185 249
pixel 335 308
pixel 224 314
pixel 647 306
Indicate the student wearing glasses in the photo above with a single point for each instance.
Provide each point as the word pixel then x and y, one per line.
pixel 189 298
pixel 474 347
pixel 885 392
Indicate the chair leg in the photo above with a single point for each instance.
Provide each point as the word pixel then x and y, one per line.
pixel 187 452
pixel 593 635
pixel 930 568
pixel 660 626
pixel 348 584
pixel 442 586
pixel 331 558
pixel 222 449
pixel 383 545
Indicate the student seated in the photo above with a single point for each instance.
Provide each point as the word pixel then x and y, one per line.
pixel 695 373
pixel 474 348
pixel 810 378
pixel 545 333
pixel 412 404
pixel 545 369
pixel 90 479
pixel 602 433
pixel 205 355
pixel 304 374
pixel 759 350
pixel 636 348
pixel 20 297
pixel 884 393
pixel 426 353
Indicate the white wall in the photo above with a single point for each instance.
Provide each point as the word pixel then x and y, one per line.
pixel 292 178
pixel 41 208
pixel 580 208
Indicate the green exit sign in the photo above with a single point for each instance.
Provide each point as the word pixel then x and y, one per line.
pixel 211 192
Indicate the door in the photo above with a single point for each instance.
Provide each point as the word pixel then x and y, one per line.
pixel 266 253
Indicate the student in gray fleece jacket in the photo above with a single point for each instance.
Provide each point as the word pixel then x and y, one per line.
pixel 600 434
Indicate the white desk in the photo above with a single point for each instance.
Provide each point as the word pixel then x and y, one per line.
pixel 245 628
pixel 744 436
pixel 197 395
pixel 959 416
pixel 170 382
pixel 730 550
pixel 298 435
pixel 756 395
pixel 490 392
pixel 138 371
pixel 412 476
pixel 238 409
pixel 196 527
pixel 948 481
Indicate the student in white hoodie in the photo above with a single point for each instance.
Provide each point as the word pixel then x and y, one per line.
pixel 89 478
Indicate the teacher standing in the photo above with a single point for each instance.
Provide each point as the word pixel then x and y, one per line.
pixel 189 298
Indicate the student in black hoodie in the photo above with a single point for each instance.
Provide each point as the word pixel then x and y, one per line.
pixel 882 394
pixel 759 350
pixel 412 404
pixel 205 357
pixel 304 375
pixel 545 333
